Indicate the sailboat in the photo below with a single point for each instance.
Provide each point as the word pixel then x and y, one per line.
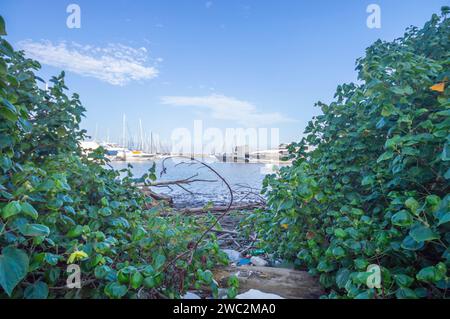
pixel 135 154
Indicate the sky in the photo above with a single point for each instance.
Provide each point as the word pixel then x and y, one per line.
pixel 228 63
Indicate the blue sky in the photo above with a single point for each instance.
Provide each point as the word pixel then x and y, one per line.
pixel 230 63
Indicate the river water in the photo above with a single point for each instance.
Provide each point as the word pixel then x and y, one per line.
pixel 245 179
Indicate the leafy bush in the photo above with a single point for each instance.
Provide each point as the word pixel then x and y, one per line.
pixel 59 207
pixel 374 186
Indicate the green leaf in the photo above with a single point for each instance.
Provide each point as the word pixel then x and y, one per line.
pixel 431 274
pixel 410 244
pixel 139 233
pixel 150 282
pixel 447 174
pixel 115 290
pixel 364 295
pixel 404 280
pixel 205 276
pixel 406 90
pixel 338 251
pixel 104 201
pixel 38 290
pixel 402 219
pixel 124 275
pixel 75 232
pixel 387 110
pixel 5 142
pixel 412 205
pixel 286 204
pixel 29 210
pixel 51 259
pixel 53 275
pixel 340 233
pixel 342 277
pixel 159 261
pixel 102 271
pixel 136 280
pixel 9 106
pixel 34 230
pixel 422 233
pixel 445 218
pixel 2 26
pixel 392 143
pixel 446 153
pixel 368 180
pixel 385 156
pixel 105 211
pixel 357 211
pixel 13 268
pixel 325 266
pixel 405 293
pixel 433 200
pixel 11 209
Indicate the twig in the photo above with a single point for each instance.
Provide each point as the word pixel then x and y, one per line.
pixel 225 231
pixel 250 245
pixel 213 226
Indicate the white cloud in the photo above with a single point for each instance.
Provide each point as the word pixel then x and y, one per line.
pixel 228 108
pixel 116 64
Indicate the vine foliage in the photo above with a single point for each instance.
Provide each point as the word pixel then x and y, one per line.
pixel 370 179
pixel 59 206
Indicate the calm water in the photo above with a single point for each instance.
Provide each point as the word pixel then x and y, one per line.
pixel 240 176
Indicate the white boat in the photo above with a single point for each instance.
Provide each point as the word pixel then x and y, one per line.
pixel 137 155
pixel 119 153
pixel 114 151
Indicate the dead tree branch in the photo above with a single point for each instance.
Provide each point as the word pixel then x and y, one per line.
pixel 199 210
pixel 213 226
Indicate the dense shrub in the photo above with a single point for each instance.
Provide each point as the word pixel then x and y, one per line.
pixel 59 207
pixel 370 180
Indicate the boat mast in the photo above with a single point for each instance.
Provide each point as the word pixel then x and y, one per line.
pixel 142 134
pixel 151 142
pixel 124 133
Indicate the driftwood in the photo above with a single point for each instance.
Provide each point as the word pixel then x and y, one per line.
pixel 156 196
pixel 185 181
pixel 199 210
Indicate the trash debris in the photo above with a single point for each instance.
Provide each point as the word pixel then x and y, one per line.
pixel 244 261
pixel 258 261
pixel 190 295
pixel 257 252
pixel 233 255
pixel 222 293
pixel 257 294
